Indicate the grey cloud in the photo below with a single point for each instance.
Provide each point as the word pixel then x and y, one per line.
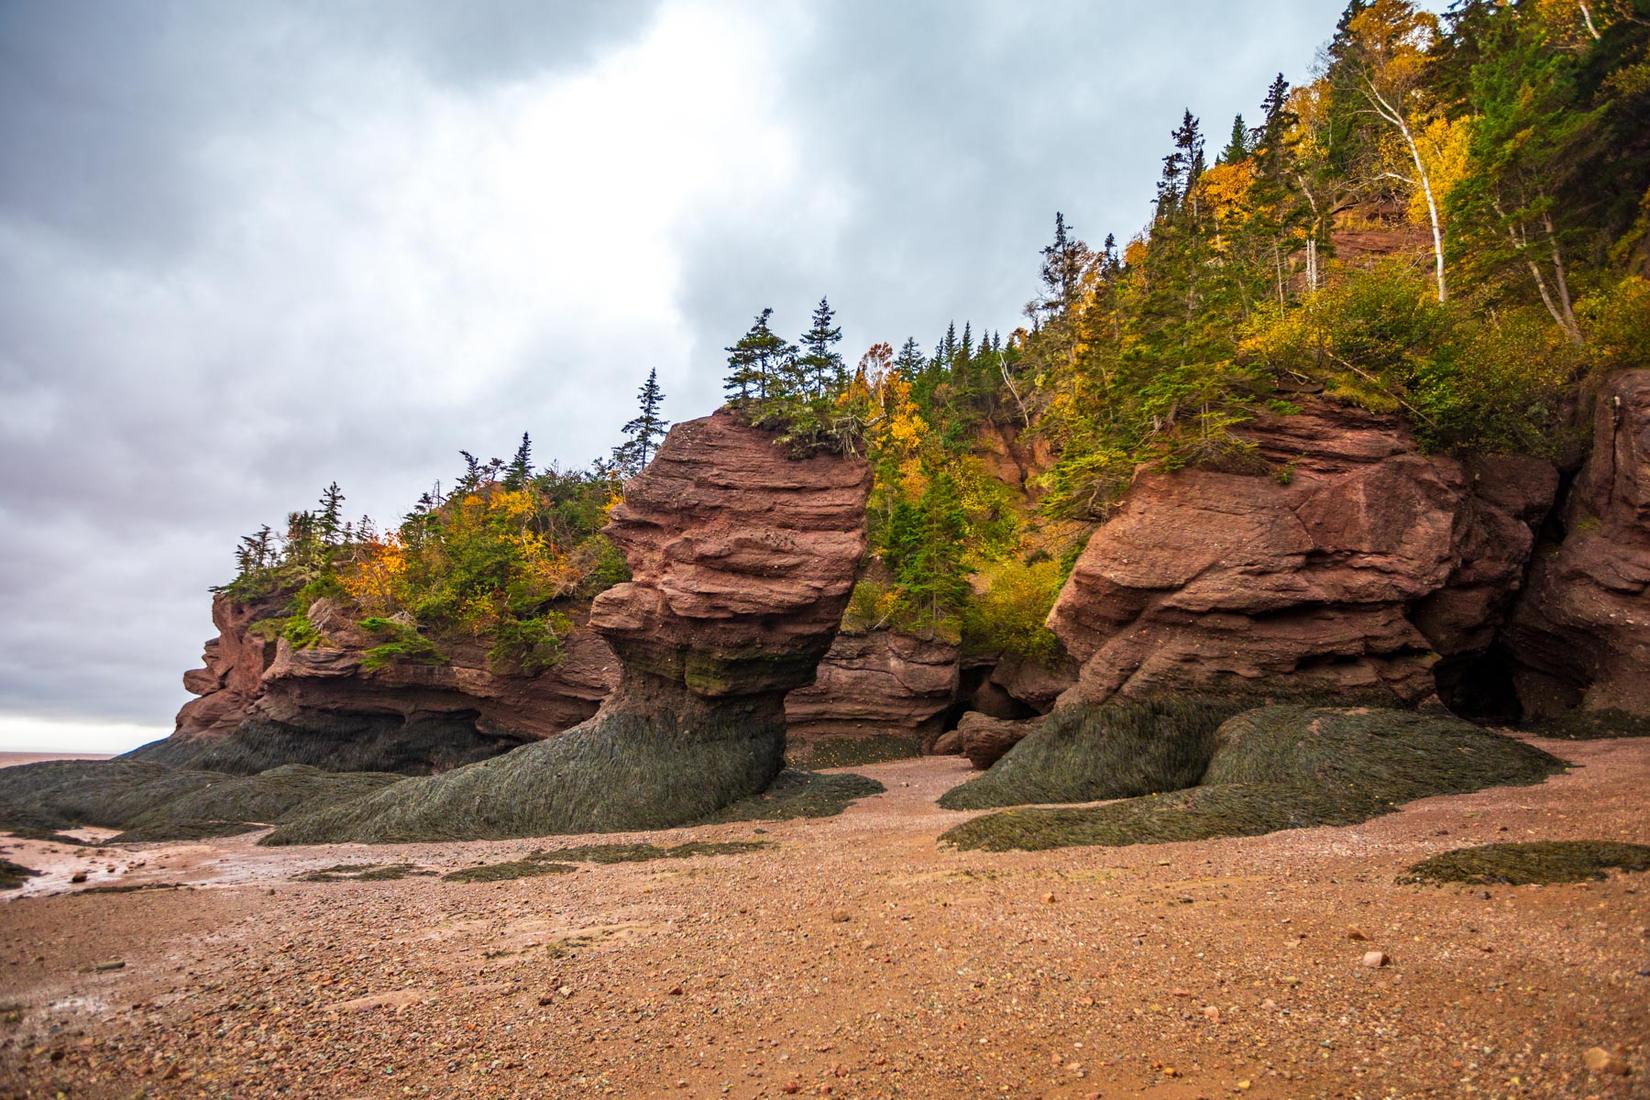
pixel 186 351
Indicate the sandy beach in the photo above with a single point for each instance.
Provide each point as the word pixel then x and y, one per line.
pixel 849 957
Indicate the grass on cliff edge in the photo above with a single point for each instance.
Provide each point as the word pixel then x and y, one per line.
pixel 1285 767
pixel 1085 754
pixel 1531 862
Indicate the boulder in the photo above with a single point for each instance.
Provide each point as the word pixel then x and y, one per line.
pixel 1350 568
pixel 985 740
pixel 742 560
pixel 1580 636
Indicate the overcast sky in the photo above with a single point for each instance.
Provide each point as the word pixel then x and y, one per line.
pixel 249 248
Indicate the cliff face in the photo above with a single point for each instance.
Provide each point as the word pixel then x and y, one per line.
pixel 1352 572
pixel 1581 633
pixel 742 561
pixel 264 703
pixel 877 683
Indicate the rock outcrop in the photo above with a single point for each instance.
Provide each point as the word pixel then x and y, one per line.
pixel 1581 634
pixel 265 703
pixel 1350 570
pixel 742 561
pixel 986 740
pixel 881 682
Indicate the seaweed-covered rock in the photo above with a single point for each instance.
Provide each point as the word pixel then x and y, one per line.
pixel 1581 633
pixel 1283 767
pixel 1350 566
pixel 151 801
pixel 741 561
pixel 1081 753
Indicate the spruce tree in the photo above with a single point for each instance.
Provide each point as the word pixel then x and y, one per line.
pixel 329 521
pixel 643 433
pixel 520 469
pixel 1237 146
pixel 910 362
pixel 755 362
pixel 820 367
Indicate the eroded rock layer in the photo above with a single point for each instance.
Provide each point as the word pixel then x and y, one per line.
pixel 742 561
pixel 264 703
pixel 1581 633
pixel 1349 569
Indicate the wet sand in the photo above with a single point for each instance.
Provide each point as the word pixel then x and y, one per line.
pixel 854 957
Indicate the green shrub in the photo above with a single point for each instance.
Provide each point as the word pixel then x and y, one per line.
pixel 402 642
pixel 529 645
pixel 1007 618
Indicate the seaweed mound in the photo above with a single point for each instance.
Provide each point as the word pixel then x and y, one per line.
pixel 1116 750
pixel 1531 862
pixel 742 560
pixel 1285 767
pixel 153 802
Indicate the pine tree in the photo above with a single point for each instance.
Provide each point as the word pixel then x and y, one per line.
pixel 1237 146
pixel 643 433
pixel 820 367
pixel 1065 261
pixel 909 363
pixel 329 521
pixel 520 470
pixel 754 362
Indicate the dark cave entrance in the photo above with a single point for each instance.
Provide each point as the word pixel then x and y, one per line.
pixel 1479 686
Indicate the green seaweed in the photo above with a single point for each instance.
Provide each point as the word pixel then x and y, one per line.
pixel 1531 862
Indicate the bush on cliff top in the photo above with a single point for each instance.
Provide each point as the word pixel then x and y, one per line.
pixel 1286 767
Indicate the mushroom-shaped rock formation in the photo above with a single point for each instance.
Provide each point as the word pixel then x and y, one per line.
pixel 742 560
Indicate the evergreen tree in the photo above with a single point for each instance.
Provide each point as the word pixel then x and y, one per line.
pixel 1237 146
pixel 329 521
pixel 820 368
pixel 520 470
pixel 909 364
pixel 643 433
pixel 755 362
pixel 1065 260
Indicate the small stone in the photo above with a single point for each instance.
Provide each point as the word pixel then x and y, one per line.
pixel 1049 899
pixel 1355 936
pixel 1211 1013
pixel 841 917
pixel 1599 1060
pixel 78 876
pixel 112 964
pixel 565 991
pixel 1375 959
pixel 1245 1085
pixel 676 991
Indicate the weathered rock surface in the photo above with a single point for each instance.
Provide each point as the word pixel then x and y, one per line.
pixel 985 740
pixel 1580 635
pixel 265 703
pixel 1351 571
pixel 742 561
pixel 880 682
